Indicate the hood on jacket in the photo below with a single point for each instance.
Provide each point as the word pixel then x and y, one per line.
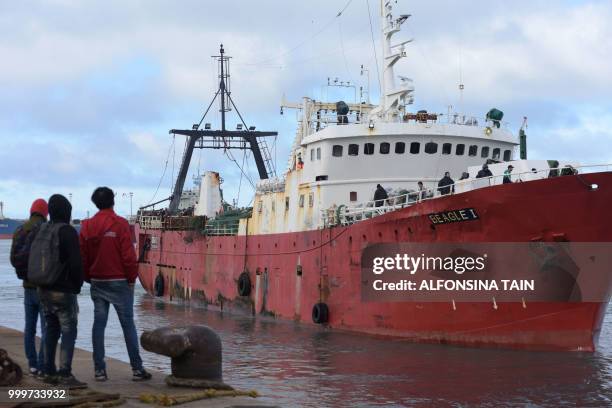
pixel 60 209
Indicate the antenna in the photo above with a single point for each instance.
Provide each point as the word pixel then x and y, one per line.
pixel 342 84
pixel 461 85
pixel 367 90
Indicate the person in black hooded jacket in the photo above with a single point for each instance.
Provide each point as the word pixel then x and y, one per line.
pixel 59 300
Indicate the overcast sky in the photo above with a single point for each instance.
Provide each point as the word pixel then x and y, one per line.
pixel 89 89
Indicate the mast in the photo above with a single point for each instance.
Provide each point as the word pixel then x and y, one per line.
pixel 222 61
pixel 393 98
pixel 243 138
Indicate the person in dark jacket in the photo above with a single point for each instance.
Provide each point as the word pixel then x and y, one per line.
pixel 20 251
pixel 380 195
pixel 446 184
pixel 59 300
pixel 110 265
pixel 508 175
pixel 484 172
pixel 421 191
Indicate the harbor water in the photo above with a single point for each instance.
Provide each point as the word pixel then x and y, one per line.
pixel 297 365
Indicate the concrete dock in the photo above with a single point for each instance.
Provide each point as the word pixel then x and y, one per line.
pixel 119 382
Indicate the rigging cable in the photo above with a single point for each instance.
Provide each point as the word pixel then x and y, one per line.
pixel 230 156
pixel 325 27
pixel 374 47
pixel 173 160
pixel 240 182
pixel 342 48
pixel 163 173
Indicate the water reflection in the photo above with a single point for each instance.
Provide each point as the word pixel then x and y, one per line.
pixel 319 367
pixel 296 365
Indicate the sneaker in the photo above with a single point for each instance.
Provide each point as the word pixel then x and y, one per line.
pixel 140 375
pixel 50 379
pixel 100 375
pixel 71 382
pixel 33 371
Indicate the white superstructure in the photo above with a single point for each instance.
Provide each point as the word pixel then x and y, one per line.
pixel 341 153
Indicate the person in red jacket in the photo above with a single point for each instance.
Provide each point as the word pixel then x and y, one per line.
pixel 110 266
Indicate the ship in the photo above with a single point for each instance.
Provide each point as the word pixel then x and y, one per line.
pixel 299 253
pixel 7 225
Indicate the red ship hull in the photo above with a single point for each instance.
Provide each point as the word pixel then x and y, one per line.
pixel 206 269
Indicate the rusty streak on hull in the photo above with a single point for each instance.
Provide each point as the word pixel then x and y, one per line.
pixel 290 272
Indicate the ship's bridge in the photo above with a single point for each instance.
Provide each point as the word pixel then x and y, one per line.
pixel 347 161
pixel 335 163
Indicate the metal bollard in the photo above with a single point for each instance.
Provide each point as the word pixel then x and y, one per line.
pixel 195 353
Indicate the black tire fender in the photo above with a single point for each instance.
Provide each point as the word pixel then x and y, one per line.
pixel 320 313
pixel 244 284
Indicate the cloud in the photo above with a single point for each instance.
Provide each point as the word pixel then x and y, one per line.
pixel 88 90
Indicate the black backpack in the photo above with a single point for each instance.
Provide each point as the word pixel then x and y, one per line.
pixel 44 266
pixel 20 250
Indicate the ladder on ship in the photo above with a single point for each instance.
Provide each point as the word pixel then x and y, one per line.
pixel 267 158
pixel 243 138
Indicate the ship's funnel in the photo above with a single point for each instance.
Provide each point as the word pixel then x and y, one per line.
pixel 209 203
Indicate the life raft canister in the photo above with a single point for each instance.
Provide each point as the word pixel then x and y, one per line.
pixel 159 285
pixel 320 313
pixel 244 284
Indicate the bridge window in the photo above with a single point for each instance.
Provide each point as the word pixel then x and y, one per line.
pixel 368 148
pixel 431 148
pixel 447 148
pixel 310 199
pixel 496 153
pixel 415 147
pixel 318 153
pixel 337 150
pixel 311 154
pixel 353 196
pixel 259 206
pixel 460 149
pixel 301 202
pixel 484 153
pixel 507 155
pixel 400 147
pixel 286 203
pixel 385 148
pixel 353 150
pixel 473 150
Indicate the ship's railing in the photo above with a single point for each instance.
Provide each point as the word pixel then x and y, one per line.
pixel 332 119
pixel 273 185
pixel 165 222
pixel 221 229
pixel 150 221
pixel 347 215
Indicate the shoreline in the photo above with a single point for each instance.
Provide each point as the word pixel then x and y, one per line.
pixel 120 378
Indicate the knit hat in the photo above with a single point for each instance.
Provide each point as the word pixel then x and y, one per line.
pixel 39 206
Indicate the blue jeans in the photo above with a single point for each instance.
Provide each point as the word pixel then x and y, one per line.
pixel 60 311
pixel 121 296
pixel 32 310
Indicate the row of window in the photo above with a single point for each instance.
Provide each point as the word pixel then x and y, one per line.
pixel 415 148
pixel 300 203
